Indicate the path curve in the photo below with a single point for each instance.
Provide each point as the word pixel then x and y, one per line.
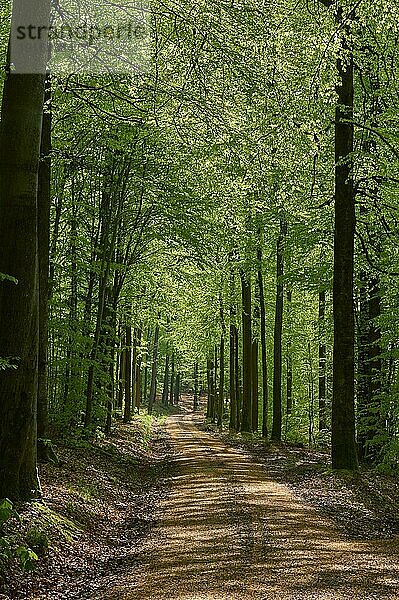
pixel 227 531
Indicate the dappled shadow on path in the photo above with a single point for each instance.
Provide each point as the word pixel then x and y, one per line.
pixel 227 532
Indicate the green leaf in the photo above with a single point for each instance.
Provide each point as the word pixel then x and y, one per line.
pixel 6 510
pixel 4 277
pixel 27 558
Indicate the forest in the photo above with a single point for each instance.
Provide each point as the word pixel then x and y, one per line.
pixel 199 227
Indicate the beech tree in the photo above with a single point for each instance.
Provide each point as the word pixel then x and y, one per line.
pixel 20 139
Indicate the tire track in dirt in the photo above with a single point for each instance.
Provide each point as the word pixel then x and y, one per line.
pixel 227 531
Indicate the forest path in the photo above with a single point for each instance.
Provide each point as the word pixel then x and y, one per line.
pixel 227 531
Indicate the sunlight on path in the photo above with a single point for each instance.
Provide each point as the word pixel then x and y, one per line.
pixel 229 532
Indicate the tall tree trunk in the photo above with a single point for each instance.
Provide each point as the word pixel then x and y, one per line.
pixel 233 425
pixel 255 386
pixel 237 377
pixel 137 377
pixel 246 419
pixel 196 386
pixel 278 330
pixel 20 139
pixel 165 390
pixel 210 398
pixel 128 375
pixel 110 401
pixel 221 382
pixel 344 454
pixel 154 368
pixel 177 389
pixel 134 367
pixel 122 371
pixel 322 363
pixel 289 357
pixel 73 299
pixel 262 308
pixel 172 379
pixel 215 386
pixel 43 205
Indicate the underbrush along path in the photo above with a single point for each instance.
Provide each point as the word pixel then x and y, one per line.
pixel 227 531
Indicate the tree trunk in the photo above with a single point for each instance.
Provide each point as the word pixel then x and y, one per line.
pixel 122 369
pixel 289 358
pixel 246 418
pixel 322 363
pixel 221 382
pixel 343 406
pixel 165 391
pixel 265 389
pixel 137 377
pixel 177 389
pixel 172 379
pixel 20 138
pixel 233 425
pixel 209 372
pixel 215 386
pixel 43 206
pixel 255 386
pixel 128 375
pixel 134 367
pixel 154 368
pixel 278 330
pixel 196 387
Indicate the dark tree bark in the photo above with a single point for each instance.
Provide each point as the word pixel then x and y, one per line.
pixel 20 139
pixel 322 363
pixel 221 363
pixel 215 385
pixel 211 392
pixel 255 386
pixel 134 368
pixel 128 375
pixel 221 383
pixel 196 387
pixel 233 425
pixel 165 390
pixel 137 377
pixel 344 454
pixel 237 377
pixel 265 389
pixel 172 379
pixel 177 389
pixel 122 374
pixel 278 329
pixel 154 368
pixel 45 453
pixel 246 418
pixel 289 358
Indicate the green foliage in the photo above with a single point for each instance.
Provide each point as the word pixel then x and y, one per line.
pixel 9 548
pixel 37 540
pixel 165 183
pixel 6 364
pixel 4 277
pixel 7 511
pixel 27 558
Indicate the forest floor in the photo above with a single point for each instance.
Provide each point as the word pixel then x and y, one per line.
pixel 97 507
pixel 229 530
pixel 182 512
pixel 363 505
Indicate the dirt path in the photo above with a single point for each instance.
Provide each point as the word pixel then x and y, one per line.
pixel 229 532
